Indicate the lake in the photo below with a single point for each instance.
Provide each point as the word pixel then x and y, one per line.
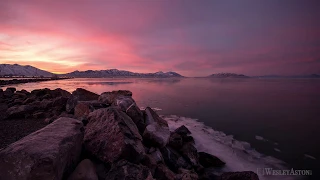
pixel 250 123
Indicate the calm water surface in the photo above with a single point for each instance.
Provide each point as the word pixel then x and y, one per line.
pixel 278 117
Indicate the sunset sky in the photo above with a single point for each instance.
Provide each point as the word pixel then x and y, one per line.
pixel 193 38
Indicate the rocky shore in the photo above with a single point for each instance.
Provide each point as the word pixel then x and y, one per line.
pixel 86 136
pixel 21 81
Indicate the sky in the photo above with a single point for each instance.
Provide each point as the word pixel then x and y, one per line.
pixel 193 38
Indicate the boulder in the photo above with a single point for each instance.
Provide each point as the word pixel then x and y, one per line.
pixel 40 92
pixel 124 170
pixel 182 130
pixel 8 92
pixel 173 159
pixel 129 106
pixel 110 97
pixel 157 132
pixel 79 95
pixel 164 173
pixel 20 111
pixel 84 171
pixel 49 153
pixel 111 135
pixel 185 174
pixel 208 160
pixel 38 115
pixel 189 152
pixel 59 103
pixel 81 110
pixel 60 93
pixel 245 175
pixel 84 95
pixel 12 89
pixel 45 104
pixel 175 141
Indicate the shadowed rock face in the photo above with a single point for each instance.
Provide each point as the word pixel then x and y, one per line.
pixel 79 95
pixel 49 153
pixel 111 135
pixel 124 170
pixel 157 131
pixel 208 160
pixel 84 171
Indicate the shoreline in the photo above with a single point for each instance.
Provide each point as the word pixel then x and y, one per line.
pixel 93 120
pixel 27 80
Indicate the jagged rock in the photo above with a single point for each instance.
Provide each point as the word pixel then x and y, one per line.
pixel 49 153
pixel 157 132
pixel 245 175
pixel 84 171
pixel 188 139
pixel 60 93
pixel 175 141
pixel 129 106
pixel 79 95
pixel 45 104
pixel 185 174
pixel 173 159
pixel 163 173
pixel 111 135
pixel 189 152
pixel 208 160
pixel 81 110
pixel 182 130
pixel 40 92
pixel 124 170
pixel 71 104
pixel 59 103
pixel 20 111
pixel 85 95
pixel 110 97
pixel 19 94
pixel 156 155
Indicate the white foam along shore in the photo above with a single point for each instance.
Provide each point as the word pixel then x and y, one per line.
pixel 238 155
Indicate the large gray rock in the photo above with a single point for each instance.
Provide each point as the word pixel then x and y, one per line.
pixel 49 153
pixel 124 170
pixel 123 99
pixel 157 133
pixel 111 135
pixel 84 171
pixel 79 95
pixel 110 97
pixel 245 175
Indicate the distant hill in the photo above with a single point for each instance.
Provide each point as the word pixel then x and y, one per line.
pixel 18 70
pixel 228 75
pixel 118 73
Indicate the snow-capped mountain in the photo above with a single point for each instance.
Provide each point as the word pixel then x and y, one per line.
pixel 119 73
pixel 228 75
pixel 18 70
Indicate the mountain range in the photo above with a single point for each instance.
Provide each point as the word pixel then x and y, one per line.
pixel 29 71
pixel 8 70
